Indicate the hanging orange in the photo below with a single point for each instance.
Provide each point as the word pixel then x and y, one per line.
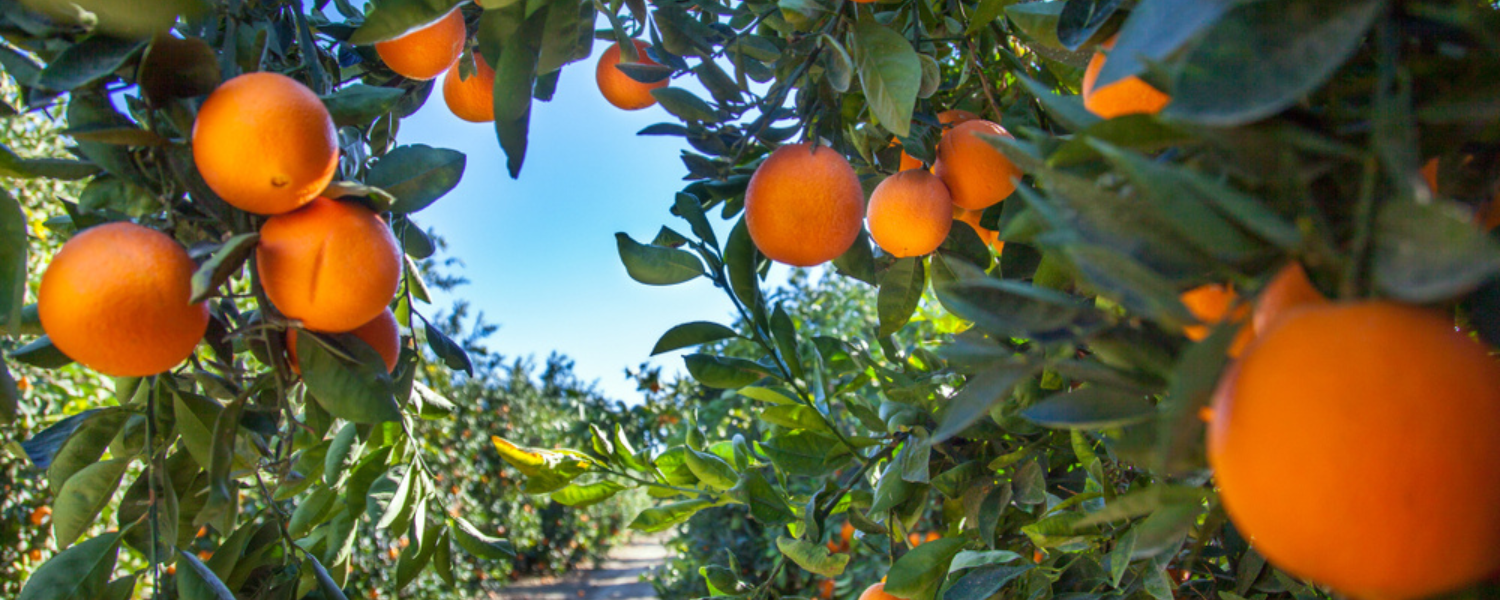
pixel 803 207
pixel 332 265
pixel 426 52
pixel 976 173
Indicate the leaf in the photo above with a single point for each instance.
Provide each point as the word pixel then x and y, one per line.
pixel 1091 407
pixel 92 59
pixel 197 582
pixel 81 571
pixel 358 390
pixel 1014 309
pixel 982 391
pixel 545 470
pixel 766 504
pixel 970 559
pixel 330 588
pixel 1154 31
pixel 890 74
pixel 740 258
pixel 412 562
pixel 223 264
pixel 667 516
pixel 986 13
pixel 175 68
pixel 567 35
pixel 580 496
pixel 417 175
pixel 515 74
pixel 713 472
pixel 1081 19
pixel 655 265
pixel 84 446
pixel 840 67
pixel 1262 57
pixel 1179 432
pixel 64 169
pixel 691 334
pixel 984 582
pixel 343 452
pixel 723 372
pixel 1133 285
pixel 394 18
pixel 478 544
pixel 900 292
pixel 1426 253
pixel 453 355
pixel 83 496
pixel 42 447
pixel 13 248
pixel 685 105
pixel 802 452
pixel 918 573
pixel 41 353
pixel 1143 502
pixel 812 557
pixel 359 104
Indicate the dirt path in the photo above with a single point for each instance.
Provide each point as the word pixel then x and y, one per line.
pixel 619 578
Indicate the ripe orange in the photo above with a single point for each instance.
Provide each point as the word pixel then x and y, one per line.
pixel 618 88
pixel 426 52
pixel 910 213
pixel 825 589
pixel 40 515
pixel 971 217
pixel 1211 305
pixel 332 265
pixel 1430 174
pixel 381 333
pixel 35 554
pixel 1288 290
pixel 977 175
pixel 877 592
pixel 908 161
pixel 914 538
pixel 115 299
pixel 932 536
pixel 834 548
pixel 265 143
pixel 847 532
pixel 471 99
pixel 953 116
pixel 803 206
pixel 1350 449
pixel 1127 96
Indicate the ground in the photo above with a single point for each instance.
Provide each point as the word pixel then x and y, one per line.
pixel 618 578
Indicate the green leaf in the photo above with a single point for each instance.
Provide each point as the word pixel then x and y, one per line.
pixel 394 18
pixel 984 582
pixel 417 175
pixel 900 292
pixel 64 169
pixel 81 571
pixel 784 334
pixel 330 588
pixel 986 13
pixel 766 504
pixel 1426 253
pixel 1011 308
pixel 982 391
pixel 1263 57
pixel 92 59
pixel 580 496
pixel 890 74
pixel 812 557
pixel 802 452
pixel 1091 407
pixel 41 353
pixel 83 496
pixel 666 516
pixel 740 258
pixel 723 372
pixel 685 105
pixel 690 208
pixel 453 355
pixel 1133 285
pixel 355 386
pixel 1068 110
pixel 359 104
pixel 125 19
pixel 713 472
pixel 1154 31
pixel 840 67
pixel 1142 502
pixel 655 265
pixel 1179 432
pixel 859 260
pixel 691 334
pixel 412 562
pixel 120 589
pixel 223 264
pixel 195 416
pixel 515 75
pixel 478 544
pixel 918 573
pixel 567 36
pixel 970 559
pixel 196 582
pixel 1080 20
pixel 13 247
pixel 84 446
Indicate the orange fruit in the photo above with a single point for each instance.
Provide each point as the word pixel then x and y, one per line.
pixel 971 218
pixel 115 299
pixel 803 207
pixel 1349 449
pixel 877 592
pixel 910 213
pixel 618 88
pixel 332 265
pixel 977 175
pixel 825 589
pixel 205 555
pixel 1127 96
pixel 833 547
pixel 956 116
pixel 40 515
pixel 1288 290
pixel 847 532
pixel 932 536
pixel 908 161
pixel 426 52
pixel 914 538
pixel 471 99
pixel 381 333
pixel 35 555
pixel 1430 174
pixel 1211 305
pixel 265 143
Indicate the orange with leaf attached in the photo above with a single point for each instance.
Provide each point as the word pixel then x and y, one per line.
pixel 427 52
pixel 381 333
pixel 617 87
pixel 1127 96
pixel 471 99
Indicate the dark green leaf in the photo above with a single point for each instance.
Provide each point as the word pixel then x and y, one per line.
pixel 394 18
pixel 452 354
pixel 984 582
pixel 515 75
pixel 1091 407
pixel 417 175
pixel 195 581
pixel 83 496
pixel 478 544
pixel 84 446
pixel 87 61
pixel 766 504
pixel 13 247
pixel 690 208
pixel 355 386
pixel 1154 31
pixel 359 104
pixel 655 265
pixel 691 334
pixel 81 571
pixel 982 391
pixel 224 263
pixel 331 589
pixel 684 105
pixel 1081 19
pixel 723 372
pixel 901 289
pixel 890 74
pixel 918 573
pixel 41 353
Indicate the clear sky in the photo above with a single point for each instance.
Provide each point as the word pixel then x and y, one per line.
pixel 540 251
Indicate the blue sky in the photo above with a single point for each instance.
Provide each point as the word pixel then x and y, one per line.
pixel 540 251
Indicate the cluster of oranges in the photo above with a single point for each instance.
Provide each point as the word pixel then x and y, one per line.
pixel 116 296
pixel 433 50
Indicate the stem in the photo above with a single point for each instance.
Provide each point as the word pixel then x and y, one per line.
pixel 984 81
pixel 151 481
pixel 1364 216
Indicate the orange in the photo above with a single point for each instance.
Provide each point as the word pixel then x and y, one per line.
pixel 1210 304
pixel 1127 96
pixel 910 213
pixel 1288 290
pixel 932 536
pixel 953 116
pixel 471 99
pixel 825 589
pixel 847 532
pixel 803 206
pixel 115 299
pixel 877 592
pixel 40 515
pixel 426 52
pixel 381 333
pixel 976 173
pixel 907 161
pixel 1430 174
pixel 618 88
pixel 971 217
pixel 914 538
pixel 834 548
pixel 332 265
pixel 35 555
pixel 265 143
pixel 1351 448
